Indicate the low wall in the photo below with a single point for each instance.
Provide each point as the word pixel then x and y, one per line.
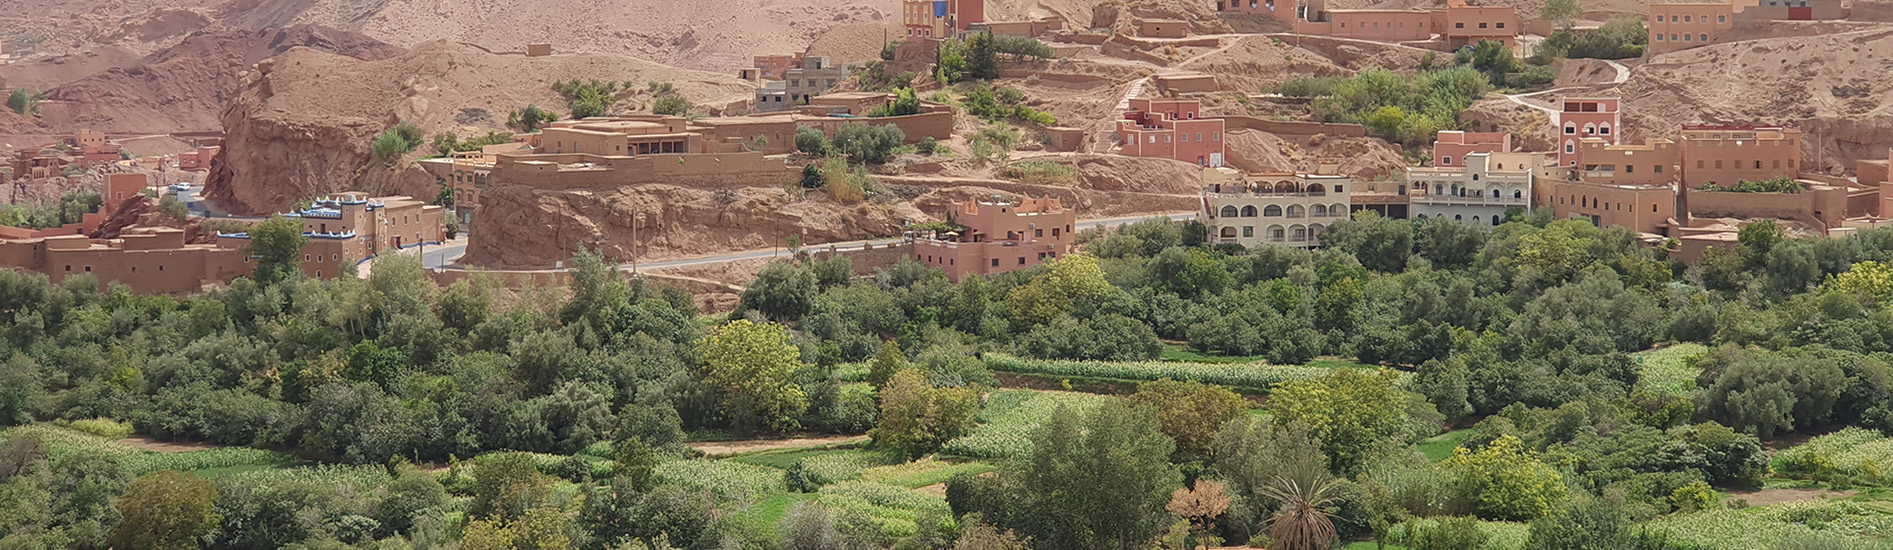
pixel 1722 204
pixel 938 126
pixel 1081 38
pixel 1293 128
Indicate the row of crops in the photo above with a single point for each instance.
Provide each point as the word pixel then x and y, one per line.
pixel 1852 455
pixel 1245 376
pixel 1006 424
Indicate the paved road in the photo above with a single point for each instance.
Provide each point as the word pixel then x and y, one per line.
pixel 444 255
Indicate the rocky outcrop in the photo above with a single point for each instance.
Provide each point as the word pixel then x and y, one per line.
pixel 185 87
pixel 143 211
pixel 303 122
pixel 541 227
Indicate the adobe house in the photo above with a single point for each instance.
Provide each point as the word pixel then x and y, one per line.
pixel 1163 28
pixel 1586 117
pixel 1452 146
pixel 941 18
pixel 1173 85
pixel 1681 25
pixel 1458 24
pixel 999 237
pixel 1725 154
pixel 198 160
pixel 1170 128
pixel 118 188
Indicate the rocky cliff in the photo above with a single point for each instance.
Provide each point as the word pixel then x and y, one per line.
pixel 303 121
pixel 185 87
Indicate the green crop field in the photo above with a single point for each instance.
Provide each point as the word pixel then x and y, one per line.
pixel 1006 424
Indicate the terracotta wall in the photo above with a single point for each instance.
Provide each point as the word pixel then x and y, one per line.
pixel 1638 208
pixel 1792 206
pixel 735 169
pixel 938 126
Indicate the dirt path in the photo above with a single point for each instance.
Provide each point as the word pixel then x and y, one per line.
pixel 724 448
pixel 153 445
pixel 1766 497
pixel 937 489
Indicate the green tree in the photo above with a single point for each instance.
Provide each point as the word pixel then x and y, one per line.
pixel 782 292
pixel 1350 411
pixel 1303 521
pixel 868 144
pixel 917 418
pixel 1099 482
pixel 23 102
pixel 1760 237
pixel 505 484
pixel 752 366
pixel 887 361
pixel 166 510
pixel 812 141
pixel 529 118
pixel 1072 279
pixel 276 244
pixel 1192 413
pixel 1869 279
pixel 1506 481
pixel 1380 243
pixel 636 463
pixel 1560 11
pixel 1386 121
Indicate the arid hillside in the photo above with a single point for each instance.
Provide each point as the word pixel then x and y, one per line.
pixel 186 87
pixel 1825 85
pixel 302 122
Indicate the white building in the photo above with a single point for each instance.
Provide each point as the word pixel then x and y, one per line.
pixel 1478 193
pixel 1288 209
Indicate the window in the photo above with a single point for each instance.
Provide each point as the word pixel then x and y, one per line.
pixel 1482 25
pixel 1022 260
pixel 995 262
pixel 305 257
pixel 1446 161
pixel 1652 208
pixel 1719 19
pixel 1603 129
pixel 1672 19
pixel 1657 168
pixel 1153 138
pixel 1777 164
pixel 1248 231
pixel 1501 25
pixel 795 83
pixel 1758 165
pixel 1630 168
pixel 1038 232
pixel 1672 37
pixel 1570 128
pixel 1215 136
pixel 1340 189
pixel 1718 164
pixel 1698 164
pixel 1705 37
pixel 1199 137
pixel 1685 19
pixel 1459 25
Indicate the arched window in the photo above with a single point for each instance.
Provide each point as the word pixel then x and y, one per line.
pixel 1317 189
pixel 1603 129
pixel 1228 212
pixel 1315 231
pixel 1248 211
pixel 1518 194
pixel 1272 211
pixel 1475 219
pixel 1296 211
pixel 1337 210
pixel 1275 233
pixel 1298 234
pixel 1229 232
pixel 1495 220
pixel 1318 211
pixel 1495 192
pixel 1570 128
pixel 1590 129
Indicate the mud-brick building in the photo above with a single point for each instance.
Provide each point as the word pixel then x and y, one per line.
pixel 1170 128
pixel 999 237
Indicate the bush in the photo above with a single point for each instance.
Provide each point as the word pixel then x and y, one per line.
pixel 1310 86
pixel 102 427
pixel 1401 109
pixel 812 141
pixel 671 104
pixel 927 146
pixel 869 144
pixel 528 118
pixel 587 99
pixel 812 177
pixel 1776 185
pixel 23 102
pixel 397 141
pixel 1043 172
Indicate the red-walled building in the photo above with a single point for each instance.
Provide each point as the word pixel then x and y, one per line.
pixel 1586 117
pixel 1452 146
pixel 1170 128
pixel 999 237
pixel 941 18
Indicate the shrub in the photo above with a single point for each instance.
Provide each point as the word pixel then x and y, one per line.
pixel 23 102
pixel 812 141
pixel 398 140
pixel 927 146
pixel 812 177
pixel 1043 172
pixel 1776 185
pixel 869 144
pixel 1426 102
pixel 587 99
pixel 529 118
pixel 671 104
pixel 1251 376
pixel 102 427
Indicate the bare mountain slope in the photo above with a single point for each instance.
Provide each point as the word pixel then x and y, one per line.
pixel 302 123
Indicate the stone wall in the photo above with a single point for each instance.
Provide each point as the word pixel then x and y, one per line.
pixel 1291 128
pixel 565 171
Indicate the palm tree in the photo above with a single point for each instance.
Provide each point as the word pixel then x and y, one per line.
pixel 1300 523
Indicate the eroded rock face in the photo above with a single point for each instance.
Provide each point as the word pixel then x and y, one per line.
pixel 143 211
pixel 521 227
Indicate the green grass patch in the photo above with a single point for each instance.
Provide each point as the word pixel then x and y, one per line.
pixel 1183 354
pixel 728 480
pixel 1667 370
pixel 234 458
pixel 1500 535
pixel 1762 528
pixel 1441 446
pixel 765 514
pixel 784 458
pixel 891 509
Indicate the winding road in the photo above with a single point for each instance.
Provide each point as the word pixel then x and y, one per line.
pixel 1623 74
pixel 443 256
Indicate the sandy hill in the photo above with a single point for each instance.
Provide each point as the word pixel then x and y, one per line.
pixel 1823 84
pixel 302 122
pixel 715 36
pixel 186 87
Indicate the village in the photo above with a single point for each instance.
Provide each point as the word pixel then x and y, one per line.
pixel 1682 195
